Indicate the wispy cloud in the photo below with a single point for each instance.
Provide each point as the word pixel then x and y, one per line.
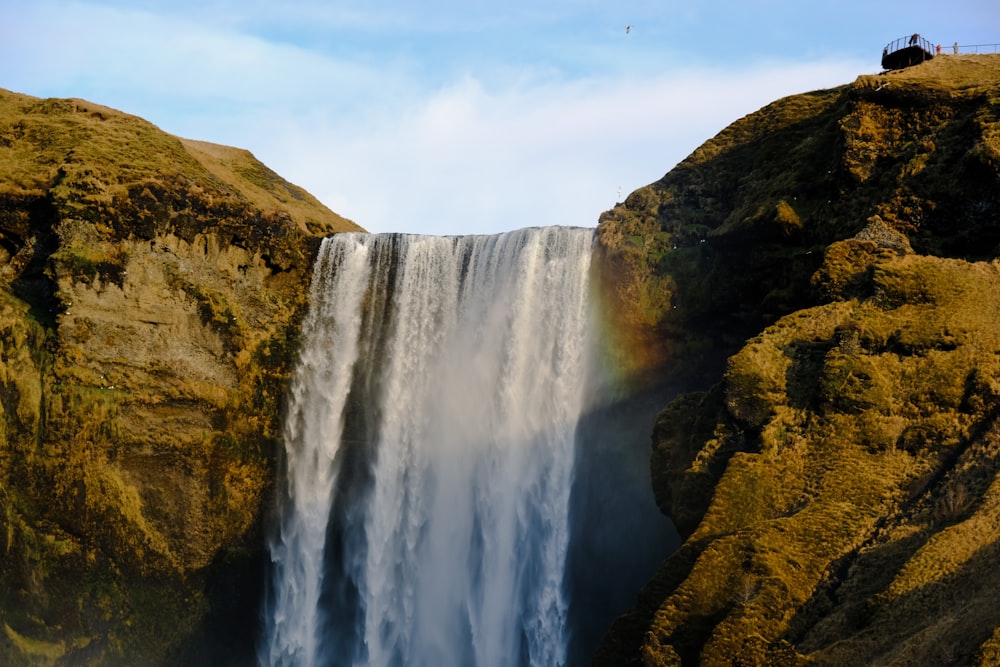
pixel 472 158
pixel 441 145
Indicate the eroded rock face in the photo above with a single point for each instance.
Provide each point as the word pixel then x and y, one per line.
pixel 834 480
pixel 149 305
pixel 163 346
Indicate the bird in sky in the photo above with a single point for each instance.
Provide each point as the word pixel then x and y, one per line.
pixel 628 29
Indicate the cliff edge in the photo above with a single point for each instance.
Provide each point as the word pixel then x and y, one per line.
pixel 835 479
pixel 823 273
pixel 150 293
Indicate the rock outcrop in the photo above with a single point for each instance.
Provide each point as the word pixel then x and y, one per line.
pixel 150 294
pixel 821 278
pixel 824 275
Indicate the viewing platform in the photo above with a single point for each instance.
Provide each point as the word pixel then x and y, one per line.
pixel 906 51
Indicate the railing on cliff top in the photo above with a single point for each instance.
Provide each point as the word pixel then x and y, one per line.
pixel 914 49
pixel 957 48
pixel 906 51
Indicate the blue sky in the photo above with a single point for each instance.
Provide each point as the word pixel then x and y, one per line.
pixel 449 117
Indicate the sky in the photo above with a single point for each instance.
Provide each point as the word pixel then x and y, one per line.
pixel 460 116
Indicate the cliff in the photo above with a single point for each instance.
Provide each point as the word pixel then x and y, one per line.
pixel 150 293
pixel 822 276
pixel 820 279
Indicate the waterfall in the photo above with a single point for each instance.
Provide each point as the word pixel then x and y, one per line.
pixel 424 518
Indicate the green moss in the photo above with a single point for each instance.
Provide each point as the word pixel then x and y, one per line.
pixel 837 494
pixel 755 382
pixel 114 502
pixel 89 266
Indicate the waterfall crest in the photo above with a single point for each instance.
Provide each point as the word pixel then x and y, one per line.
pixel 430 447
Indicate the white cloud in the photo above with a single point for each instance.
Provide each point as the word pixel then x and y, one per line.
pixel 496 149
pixel 469 159
pixel 168 59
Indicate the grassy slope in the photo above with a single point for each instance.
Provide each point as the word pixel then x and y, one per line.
pixel 150 288
pixel 836 485
pixel 60 144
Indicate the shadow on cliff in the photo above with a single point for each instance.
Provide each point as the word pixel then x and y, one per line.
pixel 618 536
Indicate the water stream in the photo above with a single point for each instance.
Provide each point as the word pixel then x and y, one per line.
pixel 425 516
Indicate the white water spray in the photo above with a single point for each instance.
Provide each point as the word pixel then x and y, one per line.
pixel 430 444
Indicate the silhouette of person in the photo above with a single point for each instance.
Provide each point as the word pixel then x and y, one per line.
pixel 914 39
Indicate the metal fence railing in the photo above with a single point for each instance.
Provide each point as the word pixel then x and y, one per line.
pixel 957 48
pixel 941 49
pixel 907 51
pixel 906 42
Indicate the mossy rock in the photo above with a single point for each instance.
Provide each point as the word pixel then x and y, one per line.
pixel 834 480
pixel 150 289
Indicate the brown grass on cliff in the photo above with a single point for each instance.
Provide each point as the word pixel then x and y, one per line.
pixel 89 154
pixel 150 291
pixel 836 484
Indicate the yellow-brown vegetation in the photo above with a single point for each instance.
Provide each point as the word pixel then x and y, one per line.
pixel 836 481
pixel 150 291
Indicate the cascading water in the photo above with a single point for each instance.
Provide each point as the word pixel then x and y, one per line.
pixel 430 447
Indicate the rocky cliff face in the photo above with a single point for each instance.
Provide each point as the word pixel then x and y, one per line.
pixel 150 292
pixel 821 276
pixel 824 273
